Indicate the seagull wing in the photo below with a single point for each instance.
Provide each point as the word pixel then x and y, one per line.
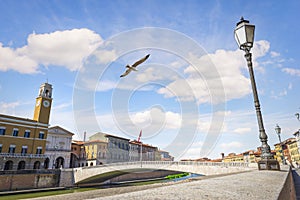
pixel 126 72
pixel 297 115
pixel 141 61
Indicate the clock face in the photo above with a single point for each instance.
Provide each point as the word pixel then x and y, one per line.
pixel 46 103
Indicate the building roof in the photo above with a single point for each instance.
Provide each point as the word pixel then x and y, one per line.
pixel 54 128
pixel 108 135
pixel 144 145
pixel 77 142
pixel 20 120
pixel 102 136
pixel 95 141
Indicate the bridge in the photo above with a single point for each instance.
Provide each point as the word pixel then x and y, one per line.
pixel 78 175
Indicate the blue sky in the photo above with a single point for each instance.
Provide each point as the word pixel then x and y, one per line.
pixel 191 97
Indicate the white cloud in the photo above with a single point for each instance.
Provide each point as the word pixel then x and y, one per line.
pixel 260 48
pixel 105 56
pixel 214 75
pixel 274 54
pixel 242 130
pixel 7 107
pixel 62 48
pixel 290 86
pixel 154 73
pixel 291 71
pixel 104 85
pixel 13 60
pixel 231 145
pixel 155 116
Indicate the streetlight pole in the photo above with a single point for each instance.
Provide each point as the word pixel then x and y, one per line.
pixel 278 131
pixel 244 35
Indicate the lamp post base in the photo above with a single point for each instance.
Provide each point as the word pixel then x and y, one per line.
pixel 268 164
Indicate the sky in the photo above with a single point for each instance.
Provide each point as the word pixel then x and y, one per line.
pixel 191 97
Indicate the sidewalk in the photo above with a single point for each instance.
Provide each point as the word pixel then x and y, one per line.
pixel 296 177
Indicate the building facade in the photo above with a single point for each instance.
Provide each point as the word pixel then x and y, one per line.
pixel 95 152
pixel 292 145
pixel 134 151
pixel 22 140
pixel 58 147
pixel 117 147
pixel 165 156
pixel 78 158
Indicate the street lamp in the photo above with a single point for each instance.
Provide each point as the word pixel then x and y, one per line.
pixel 244 36
pixel 278 131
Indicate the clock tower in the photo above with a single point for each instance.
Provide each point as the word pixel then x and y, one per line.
pixel 43 104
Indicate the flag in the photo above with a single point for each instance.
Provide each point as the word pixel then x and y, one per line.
pixel 140 136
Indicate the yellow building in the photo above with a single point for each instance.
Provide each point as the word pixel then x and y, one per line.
pixel 232 157
pixel 96 152
pixel 22 140
pixel 294 151
pixel 279 152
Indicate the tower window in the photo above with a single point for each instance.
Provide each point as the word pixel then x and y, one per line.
pixel 15 132
pixel 27 134
pixel 41 135
pixel 2 130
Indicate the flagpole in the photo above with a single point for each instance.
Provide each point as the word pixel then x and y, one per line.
pixel 141 155
pixel 141 150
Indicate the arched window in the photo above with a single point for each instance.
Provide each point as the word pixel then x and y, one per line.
pixel 21 165
pixel 36 165
pixel 8 165
pixel 60 161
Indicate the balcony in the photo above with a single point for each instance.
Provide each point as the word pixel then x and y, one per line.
pixel 21 155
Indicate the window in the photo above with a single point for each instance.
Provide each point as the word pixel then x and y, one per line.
pixel 39 150
pixel 2 130
pixel 24 150
pixel 15 132
pixel 41 135
pixel 0 148
pixel 27 134
pixel 12 148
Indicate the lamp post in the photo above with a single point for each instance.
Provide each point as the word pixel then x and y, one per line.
pixel 244 35
pixel 278 131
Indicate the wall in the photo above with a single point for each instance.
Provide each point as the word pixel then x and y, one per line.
pixel 288 189
pixel 13 181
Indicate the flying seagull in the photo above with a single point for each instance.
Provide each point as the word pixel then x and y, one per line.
pixel 133 67
pixel 298 116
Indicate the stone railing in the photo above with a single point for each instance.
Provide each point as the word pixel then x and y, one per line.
pixel 21 155
pixel 159 163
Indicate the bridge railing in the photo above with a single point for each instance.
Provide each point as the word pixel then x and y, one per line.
pixel 161 163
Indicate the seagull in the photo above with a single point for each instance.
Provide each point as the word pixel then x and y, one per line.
pixel 298 116
pixel 133 67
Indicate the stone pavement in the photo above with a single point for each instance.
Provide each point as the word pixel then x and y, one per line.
pixel 249 185
pixel 296 177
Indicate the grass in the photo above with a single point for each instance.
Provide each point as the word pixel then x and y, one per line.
pixel 177 175
pixel 42 194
